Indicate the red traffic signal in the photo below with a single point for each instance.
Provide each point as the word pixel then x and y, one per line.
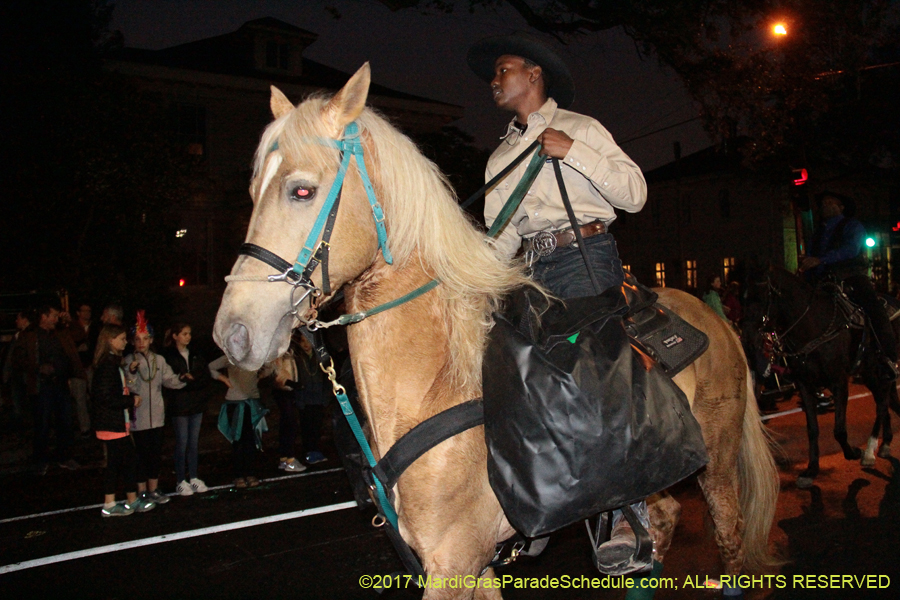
pixel 800 176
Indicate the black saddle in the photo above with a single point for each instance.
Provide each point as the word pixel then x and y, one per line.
pixel 667 338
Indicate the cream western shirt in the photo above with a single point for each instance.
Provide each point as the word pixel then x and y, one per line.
pixel 598 175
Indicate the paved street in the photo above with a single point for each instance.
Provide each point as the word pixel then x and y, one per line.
pixel 257 542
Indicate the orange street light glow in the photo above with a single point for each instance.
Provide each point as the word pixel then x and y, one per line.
pixel 779 29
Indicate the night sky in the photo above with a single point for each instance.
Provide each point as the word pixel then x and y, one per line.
pixel 425 55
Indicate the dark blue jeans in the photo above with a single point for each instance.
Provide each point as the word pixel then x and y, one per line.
pixel 565 274
pixel 187 440
pixel 52 406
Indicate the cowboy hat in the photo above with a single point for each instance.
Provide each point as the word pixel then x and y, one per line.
pixel 485 53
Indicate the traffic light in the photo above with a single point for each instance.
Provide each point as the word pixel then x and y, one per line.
pixel 870 242
pixel 798 190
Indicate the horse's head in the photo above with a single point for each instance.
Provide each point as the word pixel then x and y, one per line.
pixel 296 167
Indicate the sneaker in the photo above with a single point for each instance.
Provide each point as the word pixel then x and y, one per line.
pixel 292 465
pixel 70 464
pixel 143 504
pixel 119 510
pixel 198 485
pixel 315 457
pixel 157 497
pixel 184 489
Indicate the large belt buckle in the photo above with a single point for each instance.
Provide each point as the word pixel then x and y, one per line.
pixel 544 243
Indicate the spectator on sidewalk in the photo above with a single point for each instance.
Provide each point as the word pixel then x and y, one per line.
pixel 47 357
pixel 287 396
pixel 312 402
pixel 112 403
pixel 242 418
pixel 82 330
pixel 186 405
pixel 15 389
pixel 147 373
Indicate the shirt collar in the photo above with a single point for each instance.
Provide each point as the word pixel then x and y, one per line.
pixel 542 117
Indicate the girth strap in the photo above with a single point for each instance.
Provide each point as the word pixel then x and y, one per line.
pixel 425 436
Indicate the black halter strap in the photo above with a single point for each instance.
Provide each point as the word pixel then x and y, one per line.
pixel 269 258
pixel 319 257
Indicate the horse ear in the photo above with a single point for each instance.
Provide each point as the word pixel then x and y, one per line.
pixel 279 103
pixel 348 103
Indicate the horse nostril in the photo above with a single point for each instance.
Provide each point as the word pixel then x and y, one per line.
pixel 237 344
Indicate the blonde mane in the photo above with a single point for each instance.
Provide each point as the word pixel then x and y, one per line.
pixel 424 221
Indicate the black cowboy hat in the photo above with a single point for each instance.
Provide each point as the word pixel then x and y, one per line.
pixel 485 53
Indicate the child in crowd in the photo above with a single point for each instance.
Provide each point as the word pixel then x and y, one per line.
pixel 242 418
pixel 147 374
pixel 311 402
pixel 286 395
pixel 186 405
pixel 112 402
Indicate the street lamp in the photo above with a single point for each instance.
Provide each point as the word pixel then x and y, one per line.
pixel 779 29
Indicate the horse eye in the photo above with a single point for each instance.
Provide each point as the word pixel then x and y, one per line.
pixel 302 194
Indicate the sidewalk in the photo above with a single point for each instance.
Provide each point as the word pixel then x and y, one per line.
pixel 25 492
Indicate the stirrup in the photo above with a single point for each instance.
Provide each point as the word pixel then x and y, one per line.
pixel 640 561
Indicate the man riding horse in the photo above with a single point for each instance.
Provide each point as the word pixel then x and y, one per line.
pixel 532 81
pixel 836 252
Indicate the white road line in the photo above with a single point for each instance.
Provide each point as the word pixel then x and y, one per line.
pixel 796 410
pixel 29 564
pixel 218 487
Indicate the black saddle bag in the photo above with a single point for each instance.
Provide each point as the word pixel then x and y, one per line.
pixel 577 421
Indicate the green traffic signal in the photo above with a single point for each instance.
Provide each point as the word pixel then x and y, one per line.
pixel 870 242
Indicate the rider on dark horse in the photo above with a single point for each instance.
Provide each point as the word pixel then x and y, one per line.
pixel 836 252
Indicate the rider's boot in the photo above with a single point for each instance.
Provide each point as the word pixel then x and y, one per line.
pixel 621 555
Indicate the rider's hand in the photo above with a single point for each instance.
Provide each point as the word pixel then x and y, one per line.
pixel 555 143
pixel 137 401
pixel 809 262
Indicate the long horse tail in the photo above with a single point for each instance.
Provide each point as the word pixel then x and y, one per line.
pixel 759 486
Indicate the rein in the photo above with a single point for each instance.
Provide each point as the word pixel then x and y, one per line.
pixel 831 332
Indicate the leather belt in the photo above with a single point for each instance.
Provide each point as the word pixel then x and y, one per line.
pixel 544 243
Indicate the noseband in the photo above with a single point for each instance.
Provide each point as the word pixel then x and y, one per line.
pixel 299 274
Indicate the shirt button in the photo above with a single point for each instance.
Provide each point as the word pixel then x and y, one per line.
pixel 605 183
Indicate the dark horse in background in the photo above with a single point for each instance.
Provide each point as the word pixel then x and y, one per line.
pixel 807 326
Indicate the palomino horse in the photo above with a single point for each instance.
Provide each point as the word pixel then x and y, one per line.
pixel 821 351
pixel 415 360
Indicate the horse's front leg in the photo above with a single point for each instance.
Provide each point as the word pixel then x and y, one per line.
pixel 808 398
pixel 880 392
pixel 840 393
pixel 454 567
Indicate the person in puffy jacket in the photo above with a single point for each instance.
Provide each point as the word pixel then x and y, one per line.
pixel 112 403
pixel 146 375
pixel 186 405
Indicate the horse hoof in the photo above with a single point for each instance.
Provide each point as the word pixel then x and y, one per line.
pixel 884 451
pixel 868 461
pixel 804 482
pixel 853 454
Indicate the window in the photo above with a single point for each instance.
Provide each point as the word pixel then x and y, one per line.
pixel 727 268
pixel 660 274
pixel 684 209
pixel 656 212
pixel 189 125
pixel 725 204
pixel 277 55
pixel 690 274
